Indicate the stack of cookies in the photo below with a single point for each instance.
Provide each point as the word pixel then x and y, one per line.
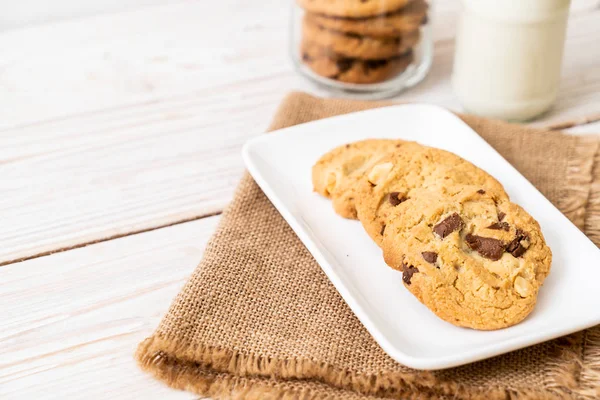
pixel 360 41
pixel 464 249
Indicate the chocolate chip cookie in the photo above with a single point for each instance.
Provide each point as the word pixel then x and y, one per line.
pixel 336 173
pixel 353 70
pixel 352 8
pixel 474 259
pixel 350 45
pixel 404 175
pixel 401 22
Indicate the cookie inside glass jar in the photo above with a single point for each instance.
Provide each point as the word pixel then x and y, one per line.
pixel 361 42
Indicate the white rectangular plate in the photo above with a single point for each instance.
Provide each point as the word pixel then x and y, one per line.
pixel 281 164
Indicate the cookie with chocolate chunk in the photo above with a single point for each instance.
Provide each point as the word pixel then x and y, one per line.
pixel 396 24
pixel 352 8
pixel 475 260
pixel 404 175
pixel 335 174
pixel 350 45
pixel 352 70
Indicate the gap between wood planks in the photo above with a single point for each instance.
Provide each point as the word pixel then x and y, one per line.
pixel 106 239
pixel 571 123
pixel 579 121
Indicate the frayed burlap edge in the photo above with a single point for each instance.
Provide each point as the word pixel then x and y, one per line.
pixel 217 373
pixel 574 200
pixel 222 373
pixel 592 216
pixel 590 373
pixel 580 202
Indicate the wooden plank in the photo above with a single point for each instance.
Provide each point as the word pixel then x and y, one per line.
pixel 27 12
pixel 156 52
pixel 121 123
pixel 150 54
pixel 71 321
pixel 76 182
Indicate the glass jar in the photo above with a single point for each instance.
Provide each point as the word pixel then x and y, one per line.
pixel 508 56
pixel 370 48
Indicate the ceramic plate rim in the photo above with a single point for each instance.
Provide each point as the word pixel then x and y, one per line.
pixel 314 247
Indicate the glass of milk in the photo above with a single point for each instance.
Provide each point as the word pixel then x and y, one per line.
pixel 508 56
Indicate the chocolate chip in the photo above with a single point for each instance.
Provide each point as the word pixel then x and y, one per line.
pixel 501 216
pixel 382 230
pixel 516 248
pixel 306 57
pixel 522 233
pixel 407 272
pixel 344 64
pixel 374 64
pixel 353 35
pixel 452 223
pixel 519 251
pixel 488 247
pixel 481 191
pixel 500 225
pixel 396 198
pixel 429 256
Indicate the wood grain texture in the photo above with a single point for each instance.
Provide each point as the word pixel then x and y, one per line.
pixel 106 176
pixel 71 321
pixel 17 14
pixel 153 53
pixel 120 123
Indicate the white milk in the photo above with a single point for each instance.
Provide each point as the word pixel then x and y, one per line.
pixel 508 56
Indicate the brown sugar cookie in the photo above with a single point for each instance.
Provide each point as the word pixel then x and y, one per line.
pixel 401 176
pixel 352 8
pixel 464 250
pixel 335 174
pixel 355 46
pixel 474 260
pixel 353 70
pixel 401 22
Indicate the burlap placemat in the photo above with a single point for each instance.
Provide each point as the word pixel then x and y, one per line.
pixel 259 320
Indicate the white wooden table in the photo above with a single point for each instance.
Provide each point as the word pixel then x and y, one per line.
pixel 120 137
